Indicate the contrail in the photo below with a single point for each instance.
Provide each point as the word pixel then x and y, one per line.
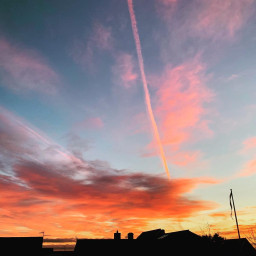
pixel 145 85
pixel 39 136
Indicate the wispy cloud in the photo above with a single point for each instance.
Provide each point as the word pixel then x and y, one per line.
pixel 25 70
pixel 249 148
pixel 102 37
pixel 249 144
pixel 84 50
pixel 181 95
pixel 214 19
pixel 76 144
pixel 221 20
pixel 180 100
pixel 89 124
pixel 249 168
pixel 124 73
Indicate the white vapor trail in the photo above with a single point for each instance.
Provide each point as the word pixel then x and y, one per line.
pixel 145 86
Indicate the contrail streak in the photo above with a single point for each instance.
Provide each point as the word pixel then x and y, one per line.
pixel 145 85
pixel 40 137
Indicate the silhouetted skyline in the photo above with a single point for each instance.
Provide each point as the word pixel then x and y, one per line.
pixel 183 242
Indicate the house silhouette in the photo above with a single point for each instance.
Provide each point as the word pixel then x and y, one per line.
pixel 236 247
pixel 156 242
pixel 159 242
pixel 21 246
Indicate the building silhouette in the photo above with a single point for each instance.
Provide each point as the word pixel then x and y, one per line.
pixel 159 242
pixel 21 246
pixel 156 242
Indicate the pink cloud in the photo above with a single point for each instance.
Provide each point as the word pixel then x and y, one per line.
pixel 185 158
pixel 215 19
pixel 249 144
pixel 22 69
pixel 180 158
pixel 249 169
pixel 221 19
pixel 123 70
pixel 166 8
pixel 233 77
pixel 179 105
pixel 102 37
pixel 180 101
pixel 90 123
pixel 84 50
pixel 167 2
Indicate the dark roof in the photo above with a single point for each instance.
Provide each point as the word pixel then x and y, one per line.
pixel 184 242
pixel 183 234
pixel 22 240
pixel 238 247
pixel 86 242
pixel 21 244
pixel 108 246
pixel 151 234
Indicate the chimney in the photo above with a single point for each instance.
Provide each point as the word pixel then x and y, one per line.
pixel 117 235
pixel 130 236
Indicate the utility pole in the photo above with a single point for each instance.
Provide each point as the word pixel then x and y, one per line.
pixel 233 203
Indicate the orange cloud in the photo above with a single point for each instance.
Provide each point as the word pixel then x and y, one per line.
pixel 69 197
pixel 143 196
pixel 220 214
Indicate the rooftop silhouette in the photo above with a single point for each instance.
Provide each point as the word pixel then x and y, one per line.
pixel 156 241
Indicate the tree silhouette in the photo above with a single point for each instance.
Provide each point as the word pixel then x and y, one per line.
pixel 216 239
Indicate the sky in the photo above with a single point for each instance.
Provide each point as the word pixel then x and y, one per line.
pixel 95 97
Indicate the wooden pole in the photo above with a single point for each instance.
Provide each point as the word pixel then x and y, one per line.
pixel 237 226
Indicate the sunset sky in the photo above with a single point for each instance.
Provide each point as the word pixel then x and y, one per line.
pixel 78 154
